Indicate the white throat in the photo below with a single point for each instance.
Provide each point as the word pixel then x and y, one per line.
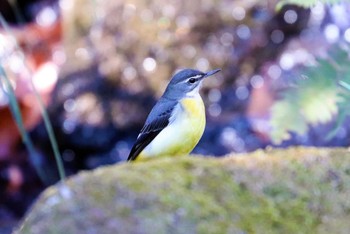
pixel 194 93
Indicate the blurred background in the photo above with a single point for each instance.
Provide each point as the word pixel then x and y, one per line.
pixel 100 65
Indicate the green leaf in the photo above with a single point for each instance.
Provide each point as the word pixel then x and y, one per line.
pixel 317 99
pixel 343 113
pixel 286 118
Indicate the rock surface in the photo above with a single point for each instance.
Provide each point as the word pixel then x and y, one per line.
pixel 298 190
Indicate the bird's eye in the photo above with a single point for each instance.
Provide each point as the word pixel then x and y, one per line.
pixel 192 80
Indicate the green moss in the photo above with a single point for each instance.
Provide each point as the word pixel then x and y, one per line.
pixel 299 190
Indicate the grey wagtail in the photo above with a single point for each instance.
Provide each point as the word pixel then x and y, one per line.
pixel 176 123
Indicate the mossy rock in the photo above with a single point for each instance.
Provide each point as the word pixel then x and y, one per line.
pixel 298 190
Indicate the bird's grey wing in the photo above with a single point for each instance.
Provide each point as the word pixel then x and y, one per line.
pixel 156 121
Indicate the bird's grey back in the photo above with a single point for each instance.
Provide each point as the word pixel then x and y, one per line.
pixel 164 107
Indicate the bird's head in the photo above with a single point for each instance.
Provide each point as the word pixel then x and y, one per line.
pixel 186 83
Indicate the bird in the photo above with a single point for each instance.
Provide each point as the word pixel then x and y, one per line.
pixel 177 121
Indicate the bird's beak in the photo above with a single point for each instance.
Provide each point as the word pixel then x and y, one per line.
pixel 210 73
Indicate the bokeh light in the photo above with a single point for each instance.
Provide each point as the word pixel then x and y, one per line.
pixel 287 61
pixel 332 33
pixel 238 13
pixel 69 125
pixel 290 16
pixel 347 35
pixel 149 64
pixel 277 36
pixel 189 51
pixel 257 81
pixel 46 17
pixel 214 109
pixel 202 64
pixel 70 105
pixel 214 95
pixel 274 71
pixel 68 155
pixel 129 73
pixel 242 93
pixel 46 77
pixel 243 32
pixel 226 39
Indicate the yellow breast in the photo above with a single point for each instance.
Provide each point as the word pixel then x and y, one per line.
pixel 194 108
pixel 195 111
